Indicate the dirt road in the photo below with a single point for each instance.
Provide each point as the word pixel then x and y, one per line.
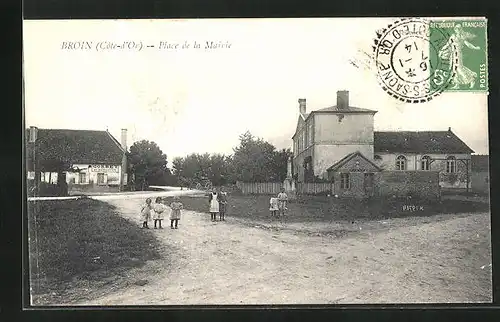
pixel 232 262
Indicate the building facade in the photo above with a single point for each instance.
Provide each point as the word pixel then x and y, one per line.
pixel 480 179
pixel 440 151
pixel 93 161
pixel 325 137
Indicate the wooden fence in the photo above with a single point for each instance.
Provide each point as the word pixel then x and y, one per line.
pixel 269 188
pixel 312 188
pixel 260 188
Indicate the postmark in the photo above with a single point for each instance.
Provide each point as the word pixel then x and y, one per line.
pixel 408 62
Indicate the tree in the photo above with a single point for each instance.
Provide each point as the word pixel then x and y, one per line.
pixel 280 163
pixel 219 169
pixel 254 160
pixel 148 164
pixel 200 168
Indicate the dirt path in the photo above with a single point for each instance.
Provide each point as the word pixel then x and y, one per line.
pixel 232 263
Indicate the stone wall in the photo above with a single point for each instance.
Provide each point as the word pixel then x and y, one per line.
pixel 400 184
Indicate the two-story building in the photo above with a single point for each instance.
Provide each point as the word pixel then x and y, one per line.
pixel 325 136
pixel 330 139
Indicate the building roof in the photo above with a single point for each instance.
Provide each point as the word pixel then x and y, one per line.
pixel 78 146
pixel 480 163
pixel 348 109
pixel 419 142
pixel 335 110
pixel 349 157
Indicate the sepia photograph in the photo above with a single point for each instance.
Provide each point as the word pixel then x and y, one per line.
pixel 257 161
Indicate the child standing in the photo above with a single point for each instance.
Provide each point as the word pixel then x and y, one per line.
pixel 282 201
pixel 159 208
pixel 146 213
pixel 175 214
pixel 222 196
pixel 273 206
pixel 213 205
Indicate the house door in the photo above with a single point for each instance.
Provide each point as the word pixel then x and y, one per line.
pixel 368 184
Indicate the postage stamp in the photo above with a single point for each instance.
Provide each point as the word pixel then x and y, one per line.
pixel 418 59
pixel 468 37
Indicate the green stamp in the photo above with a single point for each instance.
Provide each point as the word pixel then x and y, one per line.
pixel 418 59
pixel 467 44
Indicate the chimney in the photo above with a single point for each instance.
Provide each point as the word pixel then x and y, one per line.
pixel 33 134
pixel 302 105
pixel 449 129
pixel 342 100
pixel 124 139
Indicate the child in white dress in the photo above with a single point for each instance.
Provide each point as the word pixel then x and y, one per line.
pixel 146 213
pixel 273 206
pixel 175 214
pixel 213 205
pixel 159 209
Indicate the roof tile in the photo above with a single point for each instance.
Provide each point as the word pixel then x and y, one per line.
pixel 78 146
pixel 419 142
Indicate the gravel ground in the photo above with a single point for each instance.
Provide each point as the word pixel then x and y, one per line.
pixel 440 259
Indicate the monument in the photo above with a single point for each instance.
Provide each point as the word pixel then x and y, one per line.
pixel 289 183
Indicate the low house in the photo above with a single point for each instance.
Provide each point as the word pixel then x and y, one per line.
pixel 84 160
pixel 353 176
pixel 480 174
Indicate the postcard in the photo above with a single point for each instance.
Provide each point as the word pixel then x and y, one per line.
pixel 257 161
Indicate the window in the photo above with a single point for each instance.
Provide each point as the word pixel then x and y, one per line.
pixel 82 177
pixel 425 163
pixel 377 157
pixel 345 182
pixel 451 165
pixel 401 163
pixel 101 178
pixel 310 137
pixel 304 140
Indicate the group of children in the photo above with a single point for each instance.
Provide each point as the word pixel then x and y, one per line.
pixel 157 211
pixel 278 205
pixel 217 205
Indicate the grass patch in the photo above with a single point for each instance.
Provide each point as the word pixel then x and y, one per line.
pixel 329 209
pixel 81 239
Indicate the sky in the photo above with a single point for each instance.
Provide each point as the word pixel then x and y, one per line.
pixel 201 100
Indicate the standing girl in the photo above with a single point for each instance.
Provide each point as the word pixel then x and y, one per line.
pixel 213 205
pixel 273 206
pixel 146 213
pixel 159 208
pixel 175 214
pixel 222 198
pixel 282 201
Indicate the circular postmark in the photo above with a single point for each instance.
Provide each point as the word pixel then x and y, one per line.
pixel 410 61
